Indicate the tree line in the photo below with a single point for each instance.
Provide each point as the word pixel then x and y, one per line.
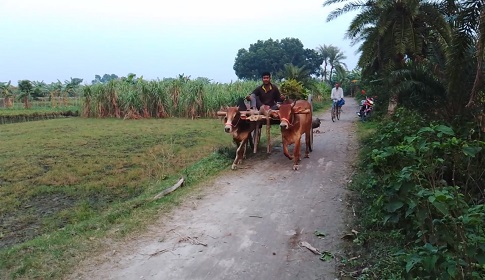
pixel 280 57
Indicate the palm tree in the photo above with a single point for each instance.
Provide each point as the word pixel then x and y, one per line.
pixel 472 21
pixel 300 74
pixel 323 51
pixel 392 32
pixel 335 59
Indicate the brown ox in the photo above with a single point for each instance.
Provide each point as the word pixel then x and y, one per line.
pixel 240 131
pixel 296 120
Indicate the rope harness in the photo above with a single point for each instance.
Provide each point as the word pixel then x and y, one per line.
pixel 235 118
pixel 289 121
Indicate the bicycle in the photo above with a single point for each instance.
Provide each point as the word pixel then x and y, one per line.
pixel 336 111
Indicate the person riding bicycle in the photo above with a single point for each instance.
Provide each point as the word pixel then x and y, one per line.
pixel 337 94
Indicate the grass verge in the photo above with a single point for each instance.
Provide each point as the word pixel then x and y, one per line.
pixel 371 246
pixel 68 184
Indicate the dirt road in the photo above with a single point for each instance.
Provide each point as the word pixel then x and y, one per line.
pixel 250 223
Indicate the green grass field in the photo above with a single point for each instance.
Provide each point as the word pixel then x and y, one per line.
pixel 66 183
pixel 37 110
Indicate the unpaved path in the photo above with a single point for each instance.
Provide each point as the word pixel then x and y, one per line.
pixel 250 223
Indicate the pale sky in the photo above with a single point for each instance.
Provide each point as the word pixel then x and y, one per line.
pixel 47 40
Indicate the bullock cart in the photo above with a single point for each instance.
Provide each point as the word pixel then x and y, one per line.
pixel 268 118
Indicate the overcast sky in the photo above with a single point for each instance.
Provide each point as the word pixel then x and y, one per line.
pixel 47 40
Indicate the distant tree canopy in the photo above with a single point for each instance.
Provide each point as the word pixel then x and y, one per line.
pixel 272 55
pixel 106 78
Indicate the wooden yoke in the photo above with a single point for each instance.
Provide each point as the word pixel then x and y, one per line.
pixel 259 117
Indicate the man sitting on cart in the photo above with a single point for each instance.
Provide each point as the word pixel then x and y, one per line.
pixel 266 94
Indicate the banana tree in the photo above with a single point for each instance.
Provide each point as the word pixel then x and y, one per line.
pixel 55 90
pixel 355 78
pixel 39 89
pixel 69 88
pixel 25 88
pixel 7 93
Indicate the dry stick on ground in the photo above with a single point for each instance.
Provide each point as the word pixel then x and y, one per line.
pixel 158 252
pixel 169 190
pixel 193 240
pixel 310 247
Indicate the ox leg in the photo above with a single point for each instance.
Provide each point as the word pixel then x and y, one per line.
pixel 236 159
pixel 285 150
pixel 296 154
pixel 239 154
pixel 245 147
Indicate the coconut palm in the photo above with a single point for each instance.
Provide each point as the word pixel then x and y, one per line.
pixel 323 51
pixel 335 59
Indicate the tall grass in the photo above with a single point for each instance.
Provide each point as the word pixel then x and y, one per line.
pixel 162 98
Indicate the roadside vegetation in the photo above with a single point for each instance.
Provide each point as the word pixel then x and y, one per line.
pixel 419 193
pixel 420 182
